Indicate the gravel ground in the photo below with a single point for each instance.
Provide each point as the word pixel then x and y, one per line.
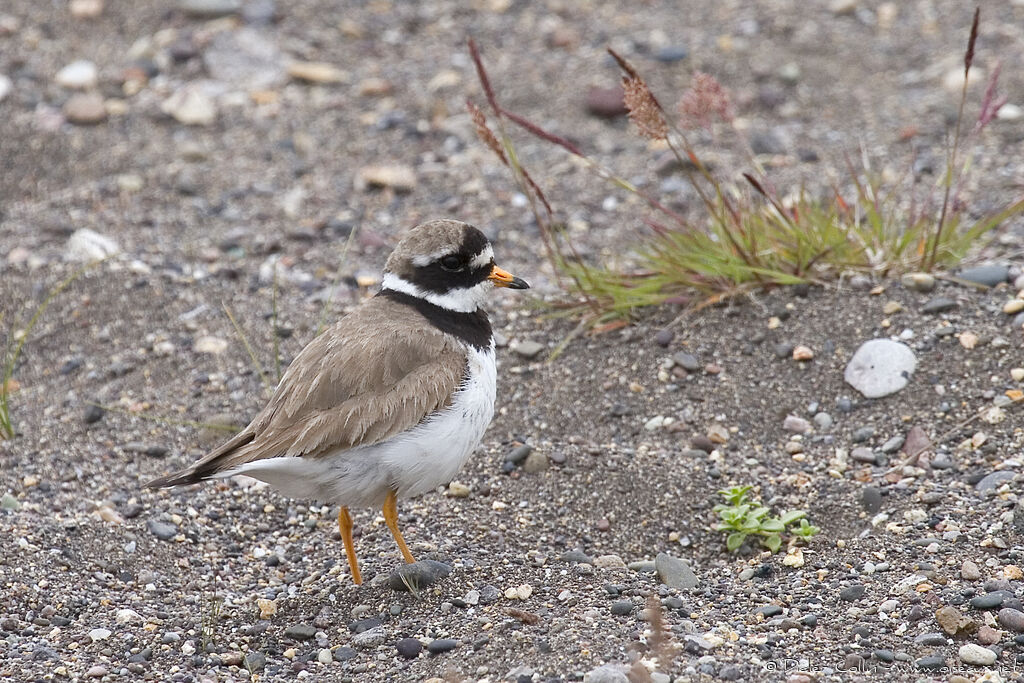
pixel 205 172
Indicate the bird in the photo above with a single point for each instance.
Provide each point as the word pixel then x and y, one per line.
pixel 389 401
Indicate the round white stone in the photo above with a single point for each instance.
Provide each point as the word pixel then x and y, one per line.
pixel 880 367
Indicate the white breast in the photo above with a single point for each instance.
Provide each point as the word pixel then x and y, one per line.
pixel 413 462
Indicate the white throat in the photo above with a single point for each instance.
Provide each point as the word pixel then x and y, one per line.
pixel 458 300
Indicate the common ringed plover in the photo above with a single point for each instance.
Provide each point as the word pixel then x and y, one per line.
pixel 390 400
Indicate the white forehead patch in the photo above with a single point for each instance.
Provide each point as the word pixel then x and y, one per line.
pixel 479 261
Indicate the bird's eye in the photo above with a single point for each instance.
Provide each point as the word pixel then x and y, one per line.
pixel 452 263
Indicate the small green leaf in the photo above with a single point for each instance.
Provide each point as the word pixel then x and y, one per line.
pixel 792 516
pixel 772 541
pixel 773 525
pixel 735 540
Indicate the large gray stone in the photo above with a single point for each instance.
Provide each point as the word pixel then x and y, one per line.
pixel 880 367
pixel 675 573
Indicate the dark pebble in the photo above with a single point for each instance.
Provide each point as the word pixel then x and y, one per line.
pixel 730 672
pixel 343 654
pixel 884 655
pixel 606 103
pixel 440 645
pixel 255 661
pixel 862 434
pixel 622 607
pixel 364 625
pixel 852 593
pixel 992 481
pixel 92 414
pixel 871 499
pixel 575 556
pixel 418 575
pixel 931 662
pixel 810 620
pixel 409 648
pixel 939 304
pixel 518 454
pixel 784 349
pixel 300 632
pixel 988 600
pixel 916 613
pixel 664 337
pixel 489 594
pixel 1011 619
pixel 702 443
pixel 930 639
pixel 768 611
pixel 989 275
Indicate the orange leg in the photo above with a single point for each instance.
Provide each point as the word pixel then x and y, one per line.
pixel 345 527
pixel 390 511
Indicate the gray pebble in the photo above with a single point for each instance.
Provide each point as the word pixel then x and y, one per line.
pixel 852 593
pixel 992 481
pixel 1012 619
pixel 675 573
pixel 988 275
pixel 931 662
pixel 930 639
pixel 441 645
pixel 622 607
pixel 988 600
pixel 823 421
pixel 409 648
pixel 165 531
pixel 418 575
pixel 893 444
pixel 300 632
pixel 939 304
pixel 687 361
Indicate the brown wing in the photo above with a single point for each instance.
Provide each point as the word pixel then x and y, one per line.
pixel 364 380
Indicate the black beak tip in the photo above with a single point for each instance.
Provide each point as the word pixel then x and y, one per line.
pixel 519 283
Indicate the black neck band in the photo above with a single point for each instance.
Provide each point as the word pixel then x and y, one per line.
pixel 473 328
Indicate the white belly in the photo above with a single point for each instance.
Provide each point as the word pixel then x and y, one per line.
pixel 413 462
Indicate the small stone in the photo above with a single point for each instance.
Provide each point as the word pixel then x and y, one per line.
pixel 6 85
pixel 409 648
pixel 609 562
pixel 128 616
pixel 952 621
pixel 98 634
pixel 78 75
pixel 1017 374
pixel 1012 572
pixel 418 575
pixel 1013 306
pixel 919 282
pixel 317 72
pixel 864 454
pixel 268 608
pixel 674 572
pixel 518 454
pixel 458 490
pixel 969 571
pixel 823 421
pixel 842 7
pixel 527 349
pixel 664 337
pixel 852 593
pixel 862 434
pixel 931 662
pixel 325 657
pixel 768 611
pixel 671 53
pixel 988 600
pixel 535 463
pixel 190 106
pixel 988 635
pixel 803 353
pixel 436 647
pixel 972 653
pixel 97 671
pixel 987 275
pixel 992 481
pixel 609 673
pixel 85 9
pixel 255 661
pixel 968 340
pixel 9 502
pixel 939 304
pixel 85 109
pixel 797 425
pixel 880 367
pixel 622 607
pixel 606 103
pixel 89 245
pixel 165 531
pixel 1012 619
pixel 391 176
pixel 209 9
pixel 210 344
pixel 892 307
pixel 370 639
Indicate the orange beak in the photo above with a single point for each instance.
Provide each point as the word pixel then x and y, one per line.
pixel 503 278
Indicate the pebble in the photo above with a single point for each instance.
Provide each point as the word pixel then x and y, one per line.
pixel 526 349
pixel 190 106
pixel 952 621
pixel 992 481
pixel 919 282
pixel 988 275
pixel 823 421
pixel 85 9
pixel 969 571
pixel 367 640
pixel 98 634
pixel 862 434
pixel 391 176
pixel 457 489
pixel 9 502
pixel 864 454
pixel 1012 619
pixel 609 673
pixel 803 353
pixel 988 635
pixel 255 660
pixel 1017 374
pixel 86 245
pixel 671 53
pixel 85 109
pixel 664 337
pixel 409 648
pixel 930 639
pixel 988 600
pixel 209 9
pixel 622 607
pixel 535 462
pixel 880 367
pixel 939 304
pixel 605 103
pixel 852 593
pixel 518 454
pixel 300 632
pixel 931 662
pixel 78 75
pixel 1013 306
pixel 797 425
pixel 210 344
pixel 436 647
pixel 97 671
pixel 316 72
pixel 972 653
pixel 674 572
pixel 165 531
pixel 418 575
pixel 687 361
pixel 6 85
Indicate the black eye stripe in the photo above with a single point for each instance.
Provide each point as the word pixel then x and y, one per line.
pixel 434 278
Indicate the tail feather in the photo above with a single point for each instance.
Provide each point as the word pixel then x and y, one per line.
pixel 212 464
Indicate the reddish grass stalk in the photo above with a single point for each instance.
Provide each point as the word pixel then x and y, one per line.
pixel 951 165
